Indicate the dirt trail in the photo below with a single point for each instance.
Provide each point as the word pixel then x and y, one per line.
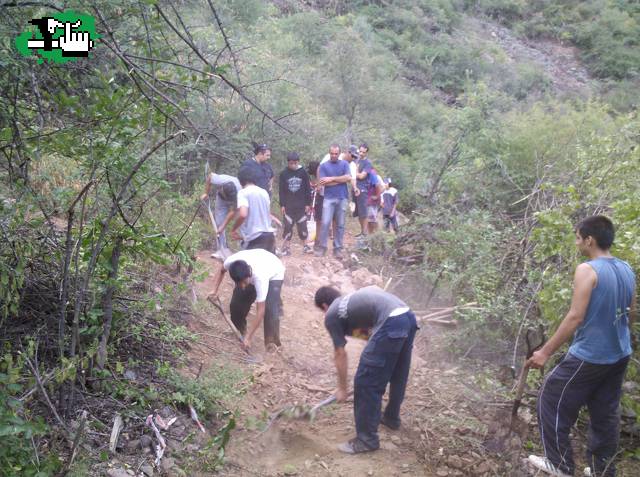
pixel 302 372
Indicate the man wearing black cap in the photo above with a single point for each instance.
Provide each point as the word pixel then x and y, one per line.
pixel 227 188
pixel 295 200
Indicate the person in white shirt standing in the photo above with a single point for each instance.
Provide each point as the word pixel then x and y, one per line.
pixel 253 217
pixel 258 276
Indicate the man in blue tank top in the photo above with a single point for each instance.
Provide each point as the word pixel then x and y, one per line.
pixel 591 374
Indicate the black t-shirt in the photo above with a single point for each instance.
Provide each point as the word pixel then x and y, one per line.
pixel 262 172
pixel 294 189
pixel 360 314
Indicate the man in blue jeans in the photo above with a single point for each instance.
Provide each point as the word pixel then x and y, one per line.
pixel 390 327
pixel 333 175
pixel 591 374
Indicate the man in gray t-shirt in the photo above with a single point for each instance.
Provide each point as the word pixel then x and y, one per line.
pixel 227 188
pixel 390 327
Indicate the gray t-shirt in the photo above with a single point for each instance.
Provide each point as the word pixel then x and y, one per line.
pixel 258 220
pixel 360 314
pixel 218 180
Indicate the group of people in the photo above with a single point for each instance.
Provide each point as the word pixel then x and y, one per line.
pixel 599 320
pixel 321 189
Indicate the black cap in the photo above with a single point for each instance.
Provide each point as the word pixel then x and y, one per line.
pixel 293 156
pixel 353 150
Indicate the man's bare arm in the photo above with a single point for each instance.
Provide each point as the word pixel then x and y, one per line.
pixel 340 358
pixel 241 214
pixel 583 283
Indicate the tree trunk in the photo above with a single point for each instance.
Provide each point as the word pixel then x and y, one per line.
pixel 107 303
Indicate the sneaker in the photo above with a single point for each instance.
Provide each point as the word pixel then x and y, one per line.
pixel 319 253
pixel 543 464
pixel 307 249
pixel 355 446
pixel 360 235
pixel 394 426
pixel 338 255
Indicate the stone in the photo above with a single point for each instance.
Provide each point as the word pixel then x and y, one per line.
pixel 130 375
pixel 145 442
pixel 133 445
pixel 442 472
pixel 455 462
pixel 117 472
pixel 147 470
pixel 482 468
pixel 167 464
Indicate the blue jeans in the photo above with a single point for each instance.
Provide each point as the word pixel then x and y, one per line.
pixel 385 359
pixel 333 208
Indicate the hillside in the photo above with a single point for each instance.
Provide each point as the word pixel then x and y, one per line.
pixel 502 123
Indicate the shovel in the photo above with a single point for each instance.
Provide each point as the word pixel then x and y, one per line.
pixel 218 304
pixel 500 437
pixel 300 411
pixel 534 343
pixel 221 252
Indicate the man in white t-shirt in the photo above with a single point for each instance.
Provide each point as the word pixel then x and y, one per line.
pixel 253 217
pixel 258 276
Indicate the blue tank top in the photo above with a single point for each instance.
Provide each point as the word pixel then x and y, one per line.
pixel 603 337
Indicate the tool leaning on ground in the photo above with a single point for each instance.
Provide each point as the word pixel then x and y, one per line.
pixel 300 411
pixel 218 304
pixel 221 252
pixel 532 347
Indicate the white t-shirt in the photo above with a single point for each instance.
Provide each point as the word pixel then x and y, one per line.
pixel 265 267
pixel 256 199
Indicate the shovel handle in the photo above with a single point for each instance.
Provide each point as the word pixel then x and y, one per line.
pixel 520 388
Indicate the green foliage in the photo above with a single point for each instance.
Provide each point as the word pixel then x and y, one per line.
pixel 20 431
pixel 208 393
pixel 213 459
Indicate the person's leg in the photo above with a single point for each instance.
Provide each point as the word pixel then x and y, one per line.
pixel 220 212
pixel 361 202
pixel 328 207
pixel 241 302
pixel 372 218
pixel 398 383
pixel 563 393
pixel 604 425
pixel 272 313
pixel 394 223
pixel 339 214
pixel 301 226
pixel 377 363
pixel 287 222
pixel 386 222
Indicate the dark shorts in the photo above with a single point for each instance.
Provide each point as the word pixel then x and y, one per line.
pixel 361 206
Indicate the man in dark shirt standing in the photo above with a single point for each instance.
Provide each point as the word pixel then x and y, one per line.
pixel 364 167
pixel 390 327
pixel 333 175
pixel 260 168
pixel 294 189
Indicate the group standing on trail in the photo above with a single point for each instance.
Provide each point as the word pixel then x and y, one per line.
pixel 599 320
